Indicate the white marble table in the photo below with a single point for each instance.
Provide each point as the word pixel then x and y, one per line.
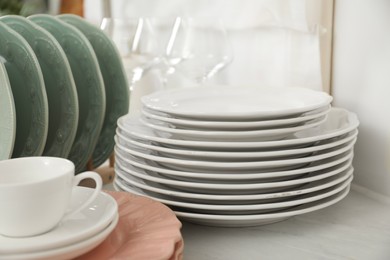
pixel 358 227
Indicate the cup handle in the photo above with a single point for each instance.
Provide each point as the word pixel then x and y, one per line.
pixel 76 180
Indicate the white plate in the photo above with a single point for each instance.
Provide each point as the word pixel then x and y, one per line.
pixel 7 116
pixel 236 103
pixel 251 135
pixel 255 219
pixel 131 143
pixel 259 219
pixel 224 193
pixel 339 122
pixel 237 209
pixel 133 175
pixel 83 225
pixel 248 198
pixel 234 176
pixel 234 125
pixel 69 251
pixel 212 166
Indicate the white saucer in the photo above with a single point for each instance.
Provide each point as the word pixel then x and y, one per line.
pixel 79 227
pixel 69 251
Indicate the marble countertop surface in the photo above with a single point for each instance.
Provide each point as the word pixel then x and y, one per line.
pixel 358 227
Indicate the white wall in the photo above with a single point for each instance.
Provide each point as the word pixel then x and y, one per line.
pixel 361 83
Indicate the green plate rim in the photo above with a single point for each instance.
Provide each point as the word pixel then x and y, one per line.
pixel 30 142
pixel 61 93
pixel 89 126
pixel 115 81
pixel 8 131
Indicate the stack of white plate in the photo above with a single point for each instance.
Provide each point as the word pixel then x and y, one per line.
pixel 237 156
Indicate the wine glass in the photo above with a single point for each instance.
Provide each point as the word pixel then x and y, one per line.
pixel 198 48
pixel 140 44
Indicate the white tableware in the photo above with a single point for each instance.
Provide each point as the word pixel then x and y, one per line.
pixel 339 122
pixel 234 125
pixel 86 224
pixel 35 194
pixel 69 251
pixel 202 166
pixel 236 103
pixel 238 209
pixel 133 176
pixel 237 176
pixel 241 199
pixel 132 143
pixel 7 116
pixel 259 219
pixel 210 135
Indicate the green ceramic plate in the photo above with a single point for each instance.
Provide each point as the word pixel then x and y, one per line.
pixel 115 81
pixel 89 84
pixel 29 93
pixel 59 83
pixel 7 116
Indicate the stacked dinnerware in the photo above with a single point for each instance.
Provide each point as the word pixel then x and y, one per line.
pixel 227 156
pixel 62 88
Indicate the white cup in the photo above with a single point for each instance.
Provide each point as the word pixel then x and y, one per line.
pixel 35 193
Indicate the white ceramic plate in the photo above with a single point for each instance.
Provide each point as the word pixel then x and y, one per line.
pixel 237 209
pixel 243 198
pixel 259 219
pixel 234 177
pixel 234 125
pixel 236 103
pixel 83 225
pixel 232 155
pixel 339 122
pixel 131 175
pixel 7 116
pixel 69 251
pixel 251 135
pixel 212 166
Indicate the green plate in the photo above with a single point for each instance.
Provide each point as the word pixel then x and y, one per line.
pixel 89 84
pixel 60 87
pixel 115 81
pixel 7 116
pixel 29 93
